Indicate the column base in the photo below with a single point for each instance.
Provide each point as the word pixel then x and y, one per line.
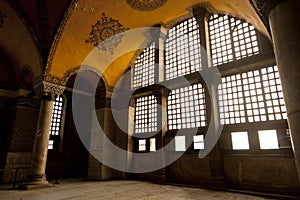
pixel 35 182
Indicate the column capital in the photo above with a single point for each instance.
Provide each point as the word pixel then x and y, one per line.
pixel 265 6
pixel 45 88
pixel 163 33
pixel 152 34
pixel 202 10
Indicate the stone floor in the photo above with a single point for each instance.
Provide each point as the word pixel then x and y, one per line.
pixel 120 190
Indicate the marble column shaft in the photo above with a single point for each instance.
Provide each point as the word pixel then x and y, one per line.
pixel 40 149
pixel 284 22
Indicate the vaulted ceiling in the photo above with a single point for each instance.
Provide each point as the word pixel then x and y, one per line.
pixel 55 37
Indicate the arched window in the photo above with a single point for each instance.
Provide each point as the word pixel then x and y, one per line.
pixel 247 94
pixel 56 123
pixel 231 39
pixel 183 49
pixel 143 71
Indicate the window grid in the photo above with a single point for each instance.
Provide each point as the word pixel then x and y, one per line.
pixel 146 114
pixel 253 96
pixel 254 99
pixel 244 38
pixel 220 40
pixel 56 116
pixel 273 93
pixel 143 71
pixel 231 39
pixel 186 107
pixel 231 102
pixel 183 49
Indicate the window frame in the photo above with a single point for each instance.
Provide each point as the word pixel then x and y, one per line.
pixel 245 64
pixel 57 138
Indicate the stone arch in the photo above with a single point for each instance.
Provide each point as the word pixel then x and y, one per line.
pixel 15 33
pixel 74 71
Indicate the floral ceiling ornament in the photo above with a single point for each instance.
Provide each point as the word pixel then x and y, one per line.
pixel 146 5
pixel 2 17
pixel 106 34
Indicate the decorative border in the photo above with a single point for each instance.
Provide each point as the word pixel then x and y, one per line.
pixel 57 37
pixel 45 88
pixel 63 81
pixel 146 5
pixel 177 20
pixel 75 70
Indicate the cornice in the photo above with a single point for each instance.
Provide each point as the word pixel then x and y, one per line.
pixel 45 88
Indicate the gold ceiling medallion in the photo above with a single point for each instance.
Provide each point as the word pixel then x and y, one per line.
pixel 106 34
pixel 146 5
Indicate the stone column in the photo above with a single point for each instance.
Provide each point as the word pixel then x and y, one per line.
pixel 161 37
pixel 37 176
pixel 284 19
pixel 202 16
pixel 161 93
pixel 40 149
pixel 202 13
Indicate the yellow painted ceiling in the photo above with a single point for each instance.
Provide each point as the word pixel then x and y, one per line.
pixel 72 50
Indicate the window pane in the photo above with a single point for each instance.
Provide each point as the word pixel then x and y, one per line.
pixel 50 144
pixel 231 100
pixel 220 39
pixel 186 107
pixel 198 141
pixel 143 71
pixel 152 144
pixel 142 145
pixel 180 143
pixel 146 114
pixel 253 96
pixel 273 93
pixel 56 118
pixel 239 140
pixel 268 139
pixel 231 39
pixel 183 49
